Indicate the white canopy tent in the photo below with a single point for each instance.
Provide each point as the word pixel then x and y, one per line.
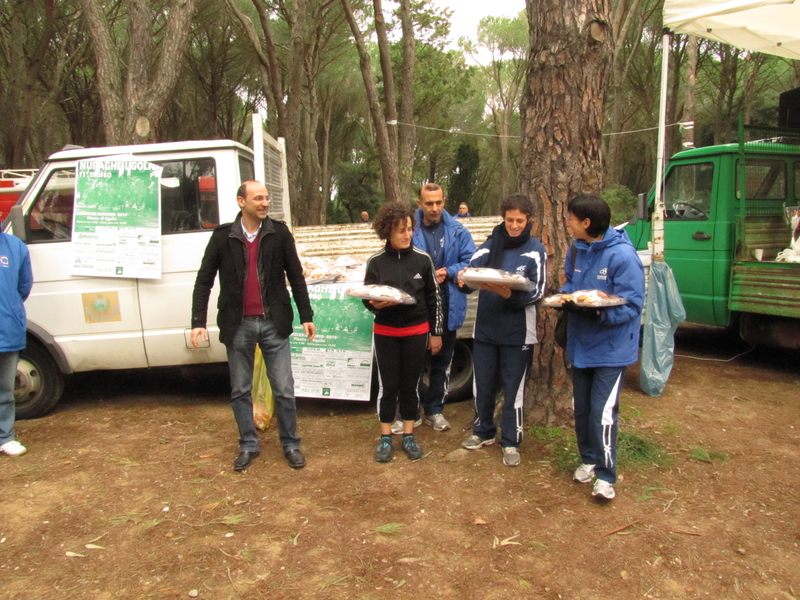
pixel 768 26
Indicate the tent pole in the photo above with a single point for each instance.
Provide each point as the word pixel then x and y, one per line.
pixel 658 213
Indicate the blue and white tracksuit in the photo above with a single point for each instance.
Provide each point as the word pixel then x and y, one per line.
pixel 503 338
pixel 601 350
pixel 457 247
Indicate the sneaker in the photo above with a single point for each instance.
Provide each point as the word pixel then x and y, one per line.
pixel 412 449
pixel 603 490
pixel 384 451
pixel 397 426
pixel 13 448
pixel 473 442
pixel 438 422
pixel 511 456
pixel 584 474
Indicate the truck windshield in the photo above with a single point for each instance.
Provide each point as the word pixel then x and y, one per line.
pixel 687 192
pixel 189 201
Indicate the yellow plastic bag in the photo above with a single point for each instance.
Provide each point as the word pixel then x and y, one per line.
pixel 263 402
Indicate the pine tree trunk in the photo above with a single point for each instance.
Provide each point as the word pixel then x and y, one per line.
pixel 562 118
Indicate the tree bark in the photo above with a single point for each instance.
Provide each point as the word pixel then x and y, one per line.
pixel 385 56
pixel 149 71
pixel 562 120
pixel 407 133
pixel 388 158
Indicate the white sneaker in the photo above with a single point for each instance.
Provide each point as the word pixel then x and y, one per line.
pixel 603 489
pixel 511 456
pixel 473 442
pixel 438 422
pixel 397 426
pixel 13 448
pixel 584 474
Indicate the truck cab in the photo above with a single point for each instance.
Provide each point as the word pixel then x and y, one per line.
pixel 78 323
pixel 722 243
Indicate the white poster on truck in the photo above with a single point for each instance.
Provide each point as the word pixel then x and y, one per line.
pixel 116 230
pixel 337 364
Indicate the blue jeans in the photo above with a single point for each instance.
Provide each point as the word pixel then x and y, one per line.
pixel 595 400
pixel 278 358
pixel 8 373
pixel 508 365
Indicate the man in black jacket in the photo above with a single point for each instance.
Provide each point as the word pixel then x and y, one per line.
pixel 254 256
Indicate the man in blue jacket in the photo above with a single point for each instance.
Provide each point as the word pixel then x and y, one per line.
pixel 450 246
pixel 16 281
pixel 602 342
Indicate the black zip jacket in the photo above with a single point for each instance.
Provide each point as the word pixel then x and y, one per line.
pixel 412 271
pixel 226 253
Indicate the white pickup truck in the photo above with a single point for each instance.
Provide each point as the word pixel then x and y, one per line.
pixel 87 323
pixel 80 323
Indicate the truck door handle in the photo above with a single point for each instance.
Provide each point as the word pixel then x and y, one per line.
pixel 700 236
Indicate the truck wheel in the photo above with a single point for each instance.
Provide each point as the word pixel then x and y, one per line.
pixel 39 382
pixel 460 374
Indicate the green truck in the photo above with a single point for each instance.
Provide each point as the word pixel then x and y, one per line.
pixel 728 216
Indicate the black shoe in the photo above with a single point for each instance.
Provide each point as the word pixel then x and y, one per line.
pixel 384 451
pixel 295 458
pixel 412 450
pixel 245 459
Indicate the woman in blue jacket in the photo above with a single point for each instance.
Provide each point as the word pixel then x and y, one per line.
pixel 505 327
pixel 601 343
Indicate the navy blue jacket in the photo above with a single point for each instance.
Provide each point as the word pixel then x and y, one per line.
pixel 610 265
pixel 511 322
pixel 16 281
pixel 458 249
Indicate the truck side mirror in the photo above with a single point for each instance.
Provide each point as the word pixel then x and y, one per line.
pixel 641 207
pixel 17 222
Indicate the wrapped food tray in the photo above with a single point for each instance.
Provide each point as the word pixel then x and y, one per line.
pixel 476 277
pixel 381 293
pixel 588 298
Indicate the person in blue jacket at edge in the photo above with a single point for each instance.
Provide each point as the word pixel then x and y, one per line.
pixel 601 342
pixel 505 327
pixel 16 281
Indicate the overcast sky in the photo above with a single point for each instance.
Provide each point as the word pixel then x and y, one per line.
pixel 467 13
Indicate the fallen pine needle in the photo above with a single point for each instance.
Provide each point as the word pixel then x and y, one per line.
pixel 618 529
pixel 230 555
pixel 682 531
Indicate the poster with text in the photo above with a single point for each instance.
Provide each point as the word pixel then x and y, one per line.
pixel 338 362
pixel 116 230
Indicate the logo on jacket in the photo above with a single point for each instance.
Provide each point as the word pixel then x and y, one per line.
pixel 417 276
pixel 4 261
pixel 603 274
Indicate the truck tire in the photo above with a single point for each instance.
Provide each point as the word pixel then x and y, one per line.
pixel 39 382
pixel 460 374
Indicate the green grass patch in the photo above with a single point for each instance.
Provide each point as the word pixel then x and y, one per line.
pixel 389 528
pixel 633 452
pixel 704 455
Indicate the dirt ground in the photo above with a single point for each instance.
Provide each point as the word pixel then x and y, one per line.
pixel 128 492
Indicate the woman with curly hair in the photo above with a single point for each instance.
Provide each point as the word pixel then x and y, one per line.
pixel 402 332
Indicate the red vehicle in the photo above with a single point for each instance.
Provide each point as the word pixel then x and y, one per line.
pixel 12 183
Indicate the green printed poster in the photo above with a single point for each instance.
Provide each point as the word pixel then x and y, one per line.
pixel 117 218
pixel 338 362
